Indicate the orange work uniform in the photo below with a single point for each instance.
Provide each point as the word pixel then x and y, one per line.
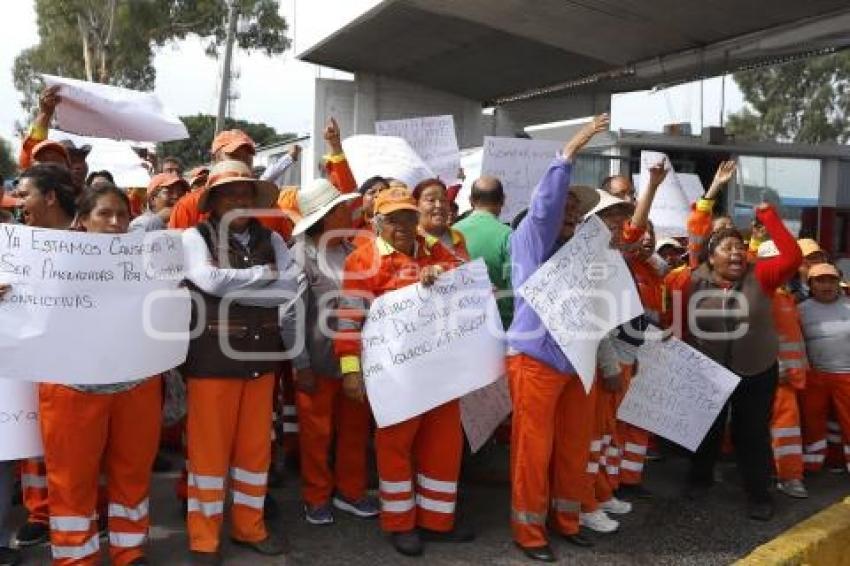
pixel 425 449
pixel 785 423
pixel 85 433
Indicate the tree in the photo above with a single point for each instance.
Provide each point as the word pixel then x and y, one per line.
pixel 113 41
pixel 8 166
pixel 195 149
pixel 804 101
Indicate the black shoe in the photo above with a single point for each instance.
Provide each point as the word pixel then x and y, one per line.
pixel 407 543
pixel 633 491
pixel 9 556
pixel 33 534
pixel 271 510
pixel 579 540
pixel 272 545
pixel 460 533
pixel 542 553
pixel 760 510
pixel 205 558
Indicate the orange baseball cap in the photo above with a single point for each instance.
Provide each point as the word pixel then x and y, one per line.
pixel 824 269
pixel 393 200
pixel 231 140
pixel 49 144
pixel 165 180
pixel 199 174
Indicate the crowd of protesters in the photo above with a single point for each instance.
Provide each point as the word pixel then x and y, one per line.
pixel 574 466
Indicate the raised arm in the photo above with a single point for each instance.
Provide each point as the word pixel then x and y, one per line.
pixel 775 271
pixel 275 171
pixel 47 102
pixel 699 221
pixel 657 174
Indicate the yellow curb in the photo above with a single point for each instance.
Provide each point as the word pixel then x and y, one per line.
pixel 821 540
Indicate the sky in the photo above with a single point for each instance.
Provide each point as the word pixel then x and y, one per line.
pixel 279 90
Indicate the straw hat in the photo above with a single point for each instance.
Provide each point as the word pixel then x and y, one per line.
pixel 824 269
pixel 230 171
pixel 607 201
pixel 317 199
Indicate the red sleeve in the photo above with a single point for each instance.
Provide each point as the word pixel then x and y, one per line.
pixel 775 271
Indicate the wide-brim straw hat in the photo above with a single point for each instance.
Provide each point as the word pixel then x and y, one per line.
pixel 317 199
pixel 231 171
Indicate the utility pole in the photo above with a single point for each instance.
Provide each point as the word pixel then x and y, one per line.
pixel 224 92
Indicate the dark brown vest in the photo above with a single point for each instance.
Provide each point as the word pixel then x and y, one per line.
pixel 756 350
pixel 248 330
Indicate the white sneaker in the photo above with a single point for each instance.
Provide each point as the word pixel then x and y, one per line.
pixel 598 521
pixel 616 506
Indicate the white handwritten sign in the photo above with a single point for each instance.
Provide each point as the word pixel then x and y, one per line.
pixel 117 157
pixel 483 410
pixel 425 347
pixel 670 209
pixel 385 156
pixel 677 392
pixel 91 308
pixel 104 111
pixel 433 138
pixel 519 164
pixel 583 292
pixel 20 435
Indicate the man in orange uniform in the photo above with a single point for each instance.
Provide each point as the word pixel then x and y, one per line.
pixel 427 447
pixel 785 422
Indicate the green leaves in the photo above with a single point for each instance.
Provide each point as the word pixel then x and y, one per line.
pixel 805 102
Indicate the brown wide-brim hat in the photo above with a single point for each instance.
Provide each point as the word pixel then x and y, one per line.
pixel 229 172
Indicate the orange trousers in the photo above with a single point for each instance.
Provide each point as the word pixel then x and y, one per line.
pixel 34 488
pixel 604 448
pixel 229 430
pixel 785 434
pixel 550 449
pixel 427 449
pixel 633 442
pixel 328 416
pixel 824 391
pixel 84 434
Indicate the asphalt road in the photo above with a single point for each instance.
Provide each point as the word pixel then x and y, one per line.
pixel 668 529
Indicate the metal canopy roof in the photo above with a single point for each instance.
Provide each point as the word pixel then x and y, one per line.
pixel 496 51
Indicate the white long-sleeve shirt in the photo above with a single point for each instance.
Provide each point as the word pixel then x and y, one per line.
pixel 278 284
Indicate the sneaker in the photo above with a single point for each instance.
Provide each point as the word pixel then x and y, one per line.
pixel 407 543
pixel 33 534
pixel 616 506
pixel 598 521
pixel 272 545
pixel 793 488
pixel 319 514
pixel 9 556
pixel 365 507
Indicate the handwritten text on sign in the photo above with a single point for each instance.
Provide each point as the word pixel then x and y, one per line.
pixel 425 347
pixel 677 392
pixel 433 138
pixel 20 436
pixel 113 296
pixel 519 164
pixel 583 292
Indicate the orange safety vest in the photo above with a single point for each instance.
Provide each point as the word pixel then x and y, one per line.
pixel 792 347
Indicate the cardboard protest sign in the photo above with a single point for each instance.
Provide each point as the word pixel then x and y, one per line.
pixel 583 292
pixel 117 293
pixel 433 138
pixel 670 209
pixel 105 111
pixel 423 347
pixel 519 164
pixel 20 434
pixel 483 410
pixel 385 156
pixel 677 392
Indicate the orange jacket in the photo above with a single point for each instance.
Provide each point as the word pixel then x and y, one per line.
pixel 35 136
pixel 458 248
pixel 340 175
pixel 699 229
pixel 650 286
pixel 371 271
pixel 792 347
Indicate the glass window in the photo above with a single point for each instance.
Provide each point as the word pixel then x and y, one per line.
pixel 791 184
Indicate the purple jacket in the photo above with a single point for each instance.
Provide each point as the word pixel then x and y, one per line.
pixel 532 244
